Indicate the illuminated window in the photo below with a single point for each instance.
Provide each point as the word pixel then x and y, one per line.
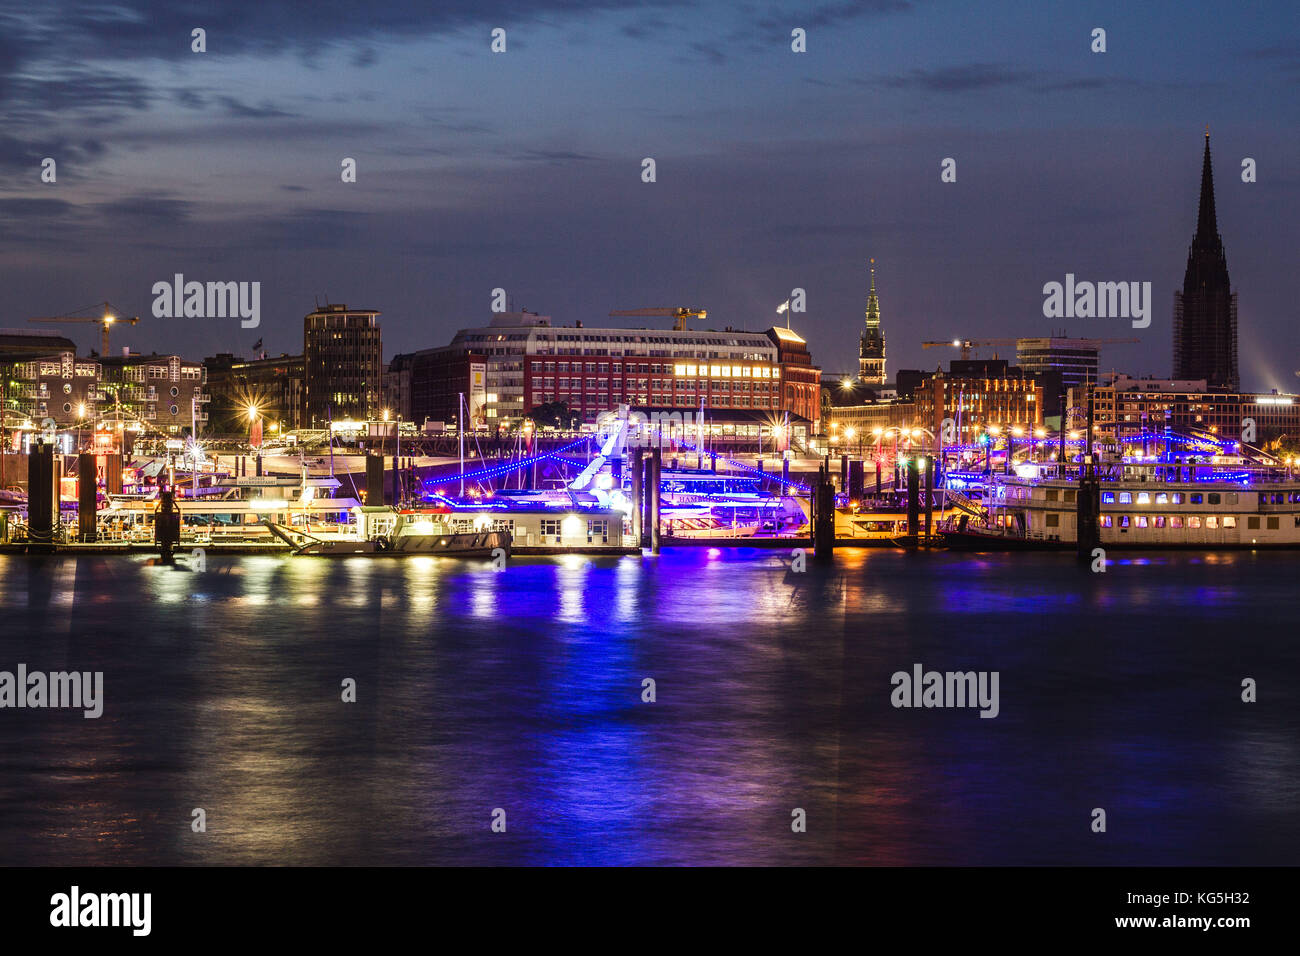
pixel 1193 522
pixel 1125 497
pixel 1143 498
pixel 1160 521
pixel 1162 498
pixel 1229 521
pixel 679 369
pixel 1212 522
pixel 1141 521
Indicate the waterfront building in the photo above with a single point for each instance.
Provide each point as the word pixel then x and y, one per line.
pixel 871 348
pixel 50 385
pixel 1124 406
pixel 272 386
pixel 976 394
pixel 1205 311
pixel 525 362
pixel 163 392
pixel 801 379
pixel 342 365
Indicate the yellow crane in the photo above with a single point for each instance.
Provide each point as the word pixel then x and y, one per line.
pixel 679 315
pixel 105 320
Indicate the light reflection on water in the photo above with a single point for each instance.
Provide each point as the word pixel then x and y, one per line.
pixel 521 689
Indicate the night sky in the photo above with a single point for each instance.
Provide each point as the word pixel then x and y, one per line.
pixel 775 170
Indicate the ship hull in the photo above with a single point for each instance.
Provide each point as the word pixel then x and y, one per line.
pixel 471 545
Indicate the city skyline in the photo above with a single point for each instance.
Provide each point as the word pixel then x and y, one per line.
pixel 775 169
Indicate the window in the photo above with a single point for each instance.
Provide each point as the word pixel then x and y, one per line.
pixel 1193 522
pixel 1229 521
pixel 1141 521
pixel 1196 499
pixel 1175 521
pixel 1177 498
pixel 1070 495
pixel 1214 498
pixel 1252 524
pixel 1273 524
pixel 1162 498
pixel 1144 498
pixel 1107 521
pixel 551 526
pixel 597 529
pixel 1212 521
pixel 1160 521
pixel 1053 521
pixel 1123 521
pixel 1052 495
pixel 1125 498
pixel 1108 497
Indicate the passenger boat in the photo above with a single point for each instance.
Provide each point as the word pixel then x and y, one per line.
pixel 1219 502
pixel 382 531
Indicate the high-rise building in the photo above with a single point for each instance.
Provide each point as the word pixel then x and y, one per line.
pixel 871 353
pixel 1205 312
pixel 343 365
pixel 1075 360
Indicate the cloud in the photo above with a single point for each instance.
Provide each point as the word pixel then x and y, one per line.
pixel 235 107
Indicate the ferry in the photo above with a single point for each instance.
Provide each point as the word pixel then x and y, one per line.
pixel 1225 502
pixel 384 531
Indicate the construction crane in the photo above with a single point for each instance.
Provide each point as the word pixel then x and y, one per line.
pixel 104 321
pixel 967 345
pixel 679 315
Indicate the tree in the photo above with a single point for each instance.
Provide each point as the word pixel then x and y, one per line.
pixel 555 415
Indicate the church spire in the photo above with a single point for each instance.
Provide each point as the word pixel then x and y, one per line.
pixel 873 303
pixel 871 351
pixel 1207 223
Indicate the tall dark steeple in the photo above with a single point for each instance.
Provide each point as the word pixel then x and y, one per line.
pixel 871 352
pixel 1205 312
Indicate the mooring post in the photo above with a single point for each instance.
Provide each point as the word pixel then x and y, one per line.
pixel 824 516
pixel 637 464
pixel 913 500
pixel 656 462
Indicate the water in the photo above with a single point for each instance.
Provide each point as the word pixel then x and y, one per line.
pixel 521 689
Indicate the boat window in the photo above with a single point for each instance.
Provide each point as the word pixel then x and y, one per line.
pixel 1107 521
pixel 1053 521
pixel 1229 521
pixel 1162 498
pixel 1069 494
pixel 1108 497
pixel 1144 498
pixel 1160 521
pixel 1052 494
pixel 1214 498
pixel 1123 521
pixel 1196 499
pixel 1232 498
pixel 1125 497
pixel 1252 523
pixel 1175 521
pixel 1193 522
pixel 1273 523
pixel 1212 521
pixel 1177 498
pixel 1141 521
